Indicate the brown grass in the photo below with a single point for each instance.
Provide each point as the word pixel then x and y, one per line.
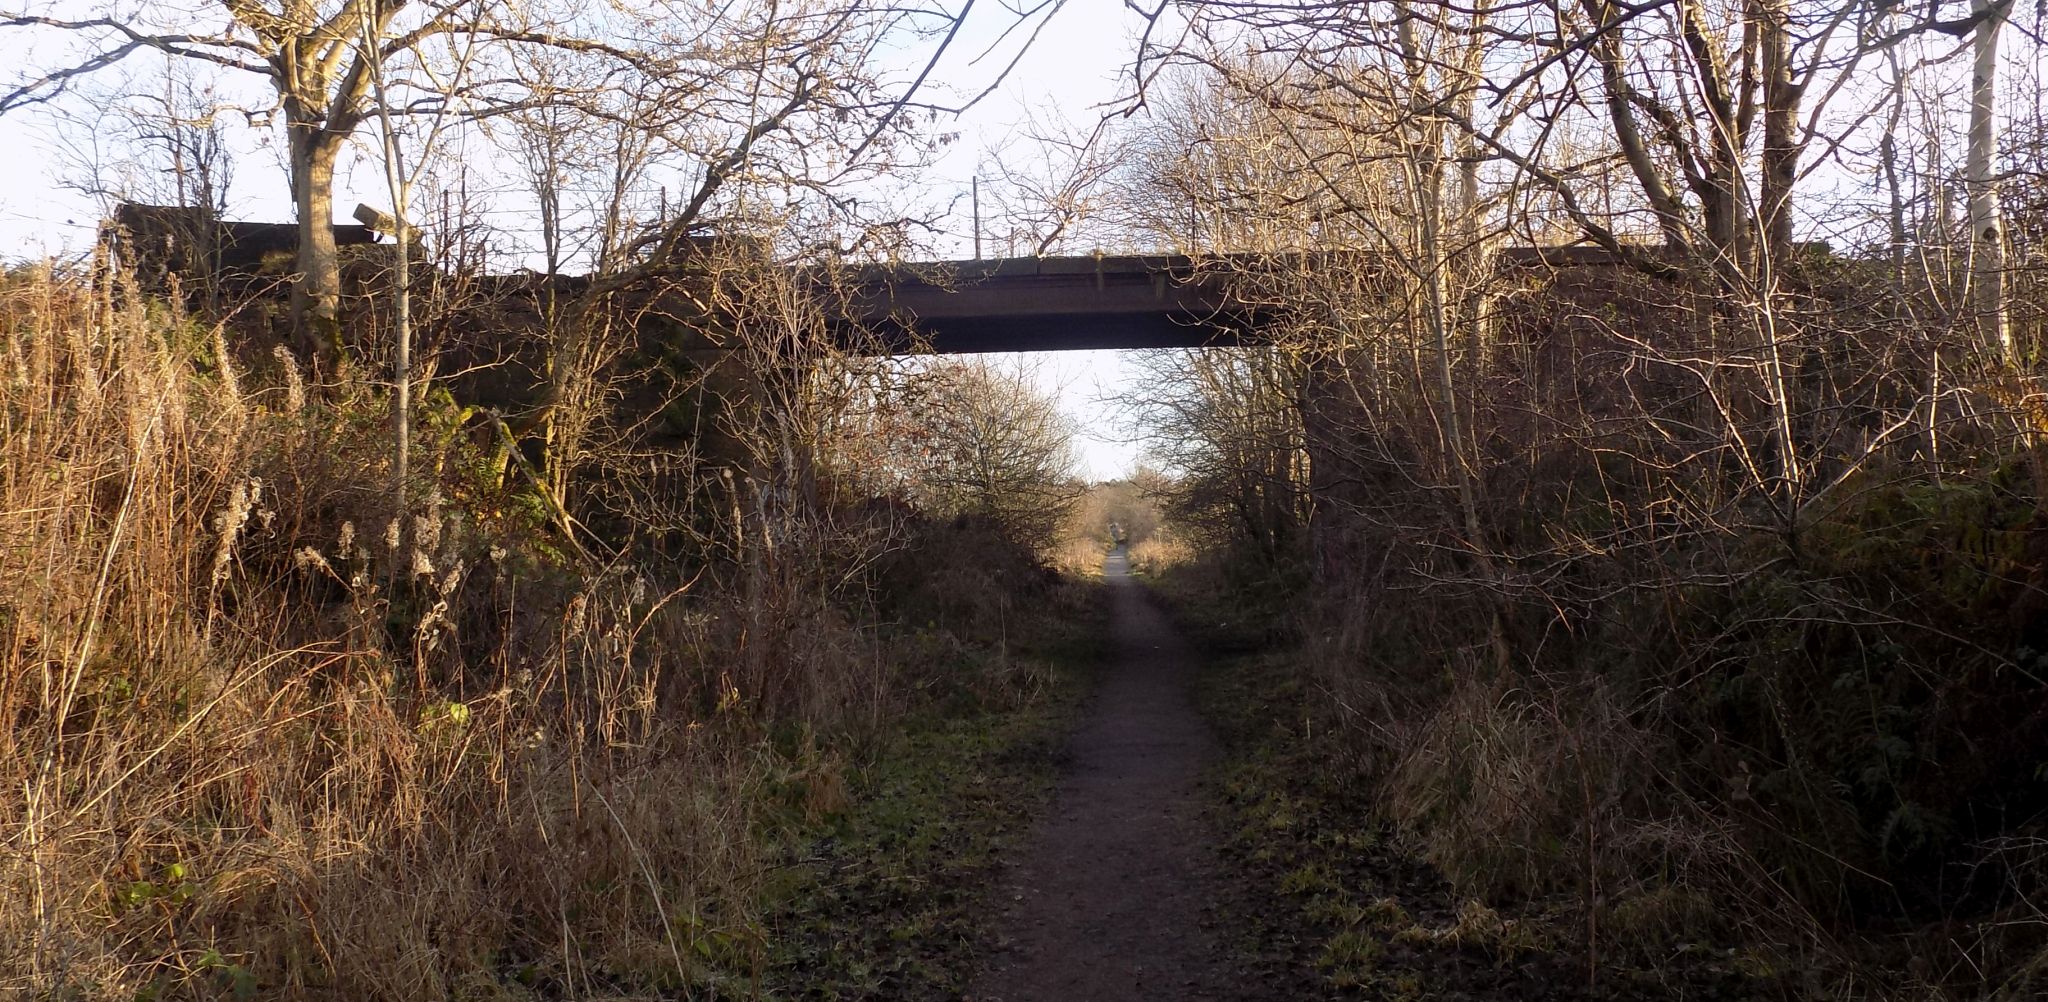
pixel 249 746
pixel 1160 552
pixel 1079 558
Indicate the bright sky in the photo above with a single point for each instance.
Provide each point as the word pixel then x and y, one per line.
pixel 1071 70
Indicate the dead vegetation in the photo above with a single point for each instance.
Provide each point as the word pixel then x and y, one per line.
pixel 1677 591
pixel 268 736
pixel 1687 592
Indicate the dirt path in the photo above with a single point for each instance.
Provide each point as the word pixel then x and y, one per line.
pixel 1111 898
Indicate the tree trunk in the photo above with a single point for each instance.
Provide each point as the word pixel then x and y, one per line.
pixel 401 295
pixel 1987 240
pixel 1475 246
pixel 1781 132
pixel 1779 166
pixel 316 295
pixel 1426 184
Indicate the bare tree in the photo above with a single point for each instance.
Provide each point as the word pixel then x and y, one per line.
pixel 1228 424
pixel 738 92
pixel 1777 306
pixel 1987 235
pixel 315 61
pixel 1049 183
pixel 986 443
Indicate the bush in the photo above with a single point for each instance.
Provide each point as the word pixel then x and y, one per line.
pixel 265 739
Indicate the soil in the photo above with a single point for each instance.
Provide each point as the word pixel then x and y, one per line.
pixel 1118 892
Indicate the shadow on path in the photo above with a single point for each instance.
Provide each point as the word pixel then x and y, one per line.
pixel 1113 894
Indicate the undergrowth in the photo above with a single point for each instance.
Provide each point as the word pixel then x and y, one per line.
pixel 1814 777
pixel 1345 902
pixel 884 899
pixel 266 734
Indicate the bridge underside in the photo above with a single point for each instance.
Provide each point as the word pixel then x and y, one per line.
pixel 1045 304
pixel 1130 301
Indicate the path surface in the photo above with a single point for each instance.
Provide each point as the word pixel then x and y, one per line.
pixel 1109 900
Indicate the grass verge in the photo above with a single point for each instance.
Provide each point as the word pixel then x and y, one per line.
pixel 886 898
pixel 1337 905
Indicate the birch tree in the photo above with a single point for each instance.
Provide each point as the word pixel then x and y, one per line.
pixel 1987 236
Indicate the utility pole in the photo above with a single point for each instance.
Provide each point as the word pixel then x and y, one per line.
pixel 976 198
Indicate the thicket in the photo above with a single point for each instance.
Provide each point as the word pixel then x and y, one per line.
pixel 1818 741
pixel 1686 583
pixel 1646 703
pixel 268 735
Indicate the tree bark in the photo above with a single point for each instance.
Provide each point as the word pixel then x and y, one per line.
pixel 316 295
pixel 1987 238
pixel 1781 131
pixel 1779 168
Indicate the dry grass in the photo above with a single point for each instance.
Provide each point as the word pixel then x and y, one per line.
pixel 1604 784
pixel 241 754
pixel 1160 552
pixel 1078 558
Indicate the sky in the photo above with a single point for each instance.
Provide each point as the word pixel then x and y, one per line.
pixel 1068 73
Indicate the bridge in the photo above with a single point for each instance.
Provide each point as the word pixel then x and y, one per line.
pixel 1048 304
pixel 1098 301
pixel 1011 304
